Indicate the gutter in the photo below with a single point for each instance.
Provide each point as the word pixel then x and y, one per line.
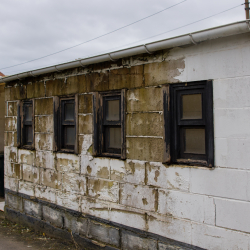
pixel 187 39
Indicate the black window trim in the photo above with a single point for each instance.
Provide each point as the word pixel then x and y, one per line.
pixel 99 124
pixel 59 123
pixel 21 124
pixel 173 123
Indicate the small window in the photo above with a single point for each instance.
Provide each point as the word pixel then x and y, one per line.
pixel 109 127
pixel 65 124
pixel 25 124
pixel 191 123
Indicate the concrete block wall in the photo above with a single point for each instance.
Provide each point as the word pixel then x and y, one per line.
pixel 198 206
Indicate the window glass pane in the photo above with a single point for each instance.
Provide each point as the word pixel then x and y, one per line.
pixel 28 113
pixel 113 110
pixel 69 135
pixel 115 137
pixel 28 134
pixel 69 111
pixel 195 141
pixel 192 106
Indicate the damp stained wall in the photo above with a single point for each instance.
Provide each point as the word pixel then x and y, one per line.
pixel 196 205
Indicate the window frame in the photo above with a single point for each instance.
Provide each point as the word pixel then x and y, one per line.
pixel 22 124
pixel 60 123
pixel 174 137
pixel 101 125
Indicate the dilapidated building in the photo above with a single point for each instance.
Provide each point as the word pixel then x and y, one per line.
pixel 143 148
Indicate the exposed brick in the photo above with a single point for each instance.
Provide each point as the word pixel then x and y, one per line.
pixel 59 87
pixel 43 141
pixel 126 78
pixel 35 89
pixel 44 124
pixel 96 82
pixel 14 170
pixel 44 106
pixel 46 193
pixel 72 182
pixel 85 104
pixel 85 144
pixel 103 189
pixel 145 124
pixel 163 72
pixel 45 159
pixel 27 188
pixel 26 156
pixel 30 173
pixel 141 100
pixel 15 93
pixel 10 139
pixel 10 154
pixel 145 149
pixel 50 178
pixel 85 124
pixel 11 123
pixel 138 196
pixel 11 108
pixel 67 162
pixel 96 167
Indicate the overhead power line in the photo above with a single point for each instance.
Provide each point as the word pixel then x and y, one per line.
pixel 95 37
pixel 129 44
pixel 189 23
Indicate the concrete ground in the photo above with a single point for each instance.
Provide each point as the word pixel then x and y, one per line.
pixel 14 236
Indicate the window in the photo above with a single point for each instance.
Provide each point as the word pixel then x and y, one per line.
pixel 65 124
pixel 109 127
pixel 191 123
pixel 25 124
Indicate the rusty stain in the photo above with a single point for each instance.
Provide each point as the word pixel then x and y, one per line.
pixel 132 167
pixel 157 173
pixel 103 172
pixel 144 201
pixel 89 169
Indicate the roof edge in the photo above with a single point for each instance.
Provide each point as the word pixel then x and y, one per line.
pixel 191 38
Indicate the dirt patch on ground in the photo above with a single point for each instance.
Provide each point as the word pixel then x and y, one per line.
pixel 12 234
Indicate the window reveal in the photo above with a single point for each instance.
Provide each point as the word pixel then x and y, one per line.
pixel 25 124
pixel 188 111
pixel 109 127
pixel 65 124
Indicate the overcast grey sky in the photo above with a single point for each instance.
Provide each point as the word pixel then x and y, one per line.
pixel 34 28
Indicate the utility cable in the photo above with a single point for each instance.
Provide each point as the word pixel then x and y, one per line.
pixel 128 44
pixel 95 37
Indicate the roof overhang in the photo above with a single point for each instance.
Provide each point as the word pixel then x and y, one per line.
pixel 186 39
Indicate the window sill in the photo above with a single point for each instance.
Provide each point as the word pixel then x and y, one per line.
pixel 193 163
pixel 27 147
pixel 111 155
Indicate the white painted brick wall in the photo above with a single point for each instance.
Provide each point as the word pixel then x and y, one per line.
pixel 220 182
pixel 200 208
pixel 233 214
pixel 215 238
pixel 168 177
